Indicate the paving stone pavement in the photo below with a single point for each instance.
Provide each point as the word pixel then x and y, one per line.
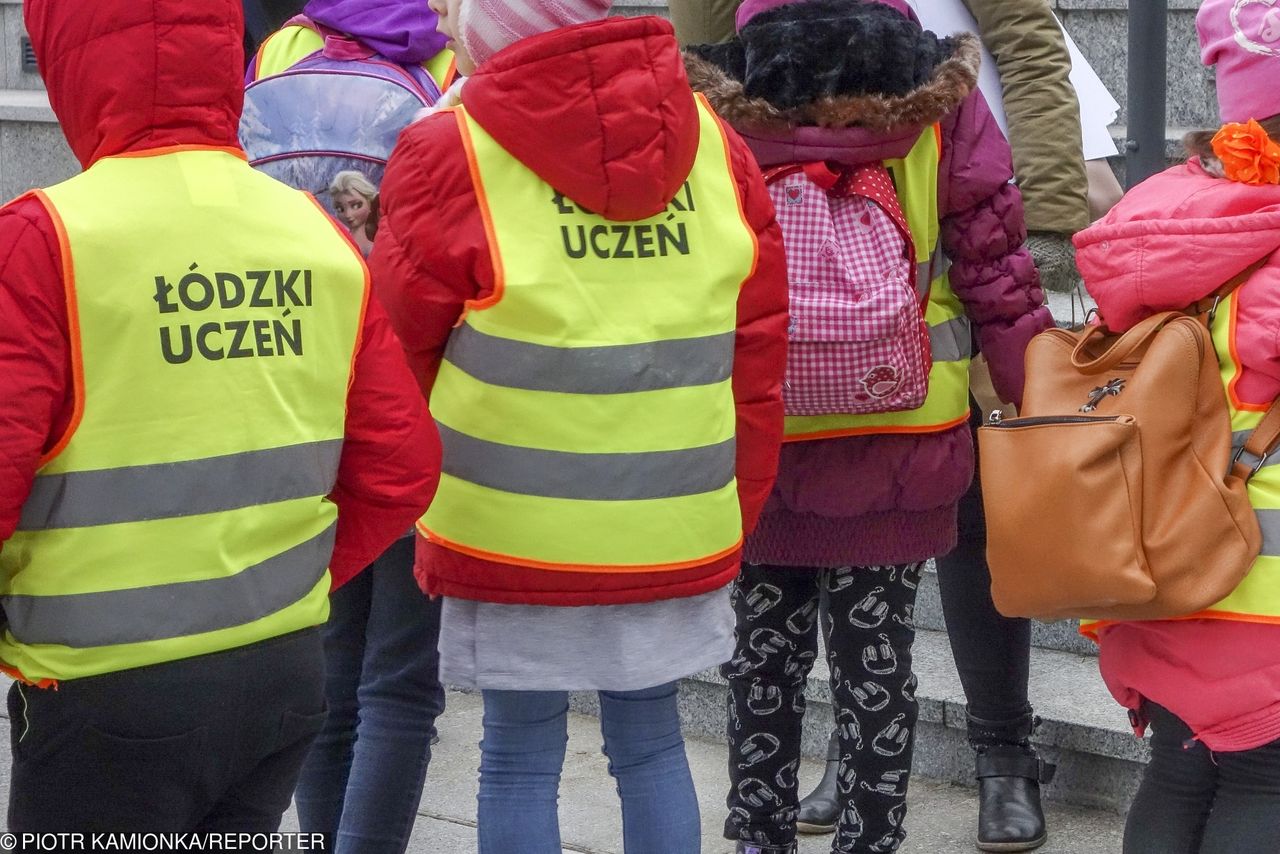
pixel 940 817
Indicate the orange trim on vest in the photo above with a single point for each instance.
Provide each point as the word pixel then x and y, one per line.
pixel 737 190
pixel 1090 630
pixel 368 284
pixel 572 567
pixel 450 75
pixel 1237 365
pixel 871 431
pixel 235 151
pixel 17 675
pixel 73 328
pixel 482 201
pixel 257 57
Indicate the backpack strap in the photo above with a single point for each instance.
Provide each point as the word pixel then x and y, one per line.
pixel 1208 306
pixel 774 174
pixel 1263 439
pixel 872 181
pixel 1260 445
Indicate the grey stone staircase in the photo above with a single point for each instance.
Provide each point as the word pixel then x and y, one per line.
pixel 1084 731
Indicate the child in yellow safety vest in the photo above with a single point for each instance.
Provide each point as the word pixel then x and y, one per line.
pixel 864 496
pixel 584 268
pixel 1208 685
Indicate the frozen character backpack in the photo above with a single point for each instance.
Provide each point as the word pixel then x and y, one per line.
pixel 339 109
pixel 857 341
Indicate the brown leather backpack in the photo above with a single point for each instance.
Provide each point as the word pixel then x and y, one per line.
pixel 1115 496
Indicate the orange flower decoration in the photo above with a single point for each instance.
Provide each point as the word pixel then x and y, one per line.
pixel 1248 155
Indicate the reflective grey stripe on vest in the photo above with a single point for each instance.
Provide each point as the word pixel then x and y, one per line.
pixel 951 341
pixel 589 477
pixel 190 488
pixel 615 369
pixel 185 608
pixel 1238 439
pixel 1269 522
pixel 927 271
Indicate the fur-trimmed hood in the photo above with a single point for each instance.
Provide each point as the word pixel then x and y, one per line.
pixel 835 64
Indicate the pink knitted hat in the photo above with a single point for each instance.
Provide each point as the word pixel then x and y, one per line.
pixel 487 26
pixel 1242 38
pixel 750 8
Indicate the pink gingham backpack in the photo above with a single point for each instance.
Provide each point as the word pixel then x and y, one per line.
pixel 858 341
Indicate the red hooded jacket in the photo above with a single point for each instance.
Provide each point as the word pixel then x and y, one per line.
pixel 128 77
pixel 603 112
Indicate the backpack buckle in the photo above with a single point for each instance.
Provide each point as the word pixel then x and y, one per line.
pixel 1261 460
pixel 1213 309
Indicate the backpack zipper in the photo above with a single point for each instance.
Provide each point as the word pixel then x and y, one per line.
pixel 996 419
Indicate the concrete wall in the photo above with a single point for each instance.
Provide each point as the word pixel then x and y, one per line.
pixel 33 152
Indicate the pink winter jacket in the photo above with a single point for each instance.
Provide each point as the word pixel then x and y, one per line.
pixel 1172 240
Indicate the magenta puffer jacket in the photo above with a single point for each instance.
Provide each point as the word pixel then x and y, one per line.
pixel 887 498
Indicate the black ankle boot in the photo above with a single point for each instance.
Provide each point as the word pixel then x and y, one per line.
pixel 762 848
pixel 820 809
pixel 1009 771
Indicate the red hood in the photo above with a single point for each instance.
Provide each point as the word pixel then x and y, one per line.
pixel 125 75
pixel 602 112
pixel 1174 239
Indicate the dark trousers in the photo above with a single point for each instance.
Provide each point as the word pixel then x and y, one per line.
pixel 868 631
pixel 1194 801
pixel 211 743
pixel 363 779
pixel 992 652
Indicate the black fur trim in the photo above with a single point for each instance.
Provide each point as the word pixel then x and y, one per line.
pixel 835 63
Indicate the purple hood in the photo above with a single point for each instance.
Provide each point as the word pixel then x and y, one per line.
pixel 401 30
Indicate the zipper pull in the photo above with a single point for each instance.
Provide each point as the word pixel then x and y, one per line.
pixel 995 418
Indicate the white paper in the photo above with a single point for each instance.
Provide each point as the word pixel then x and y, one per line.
pixel 1098 109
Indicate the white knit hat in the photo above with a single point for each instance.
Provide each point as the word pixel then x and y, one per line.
pixel 487 26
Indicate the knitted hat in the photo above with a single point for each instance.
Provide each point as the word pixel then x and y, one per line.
pixel 1242 38
pixel 750 8
pixel 487 26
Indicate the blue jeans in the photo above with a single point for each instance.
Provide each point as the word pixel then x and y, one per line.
pixel 363 780
pixel 525 733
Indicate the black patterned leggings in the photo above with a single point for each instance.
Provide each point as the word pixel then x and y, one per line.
pixel 868 633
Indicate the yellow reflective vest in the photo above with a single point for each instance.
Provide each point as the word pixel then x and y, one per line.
pixel 1257 598
pixel 214 316
pixel 586 409
pixel 947 403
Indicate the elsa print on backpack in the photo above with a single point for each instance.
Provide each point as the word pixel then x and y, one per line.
pixel 338 109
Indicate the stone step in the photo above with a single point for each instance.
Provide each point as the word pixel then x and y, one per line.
pixel 1084 731
pixel 1060 636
